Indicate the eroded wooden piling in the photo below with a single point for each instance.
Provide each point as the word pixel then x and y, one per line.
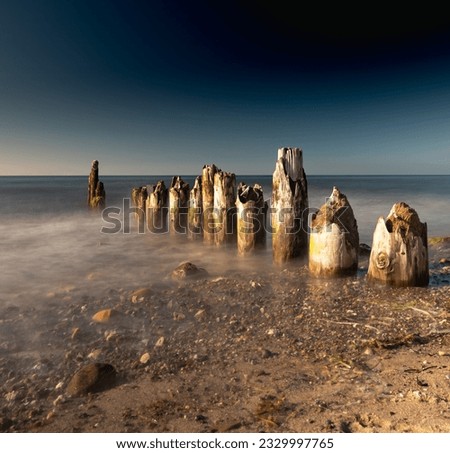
pixel 96 191
pixel 139 201
pixel 178 205
pixel 195 210
pixel 224 207
pixel 251 233
pixel 399 255
pixel 334 238
pixel 289 210
pixel 157 208
pixel 208 173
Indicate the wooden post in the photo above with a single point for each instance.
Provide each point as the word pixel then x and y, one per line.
pixel 208 173
pixel 157 208
pixel 178 205
pixel 195 210
pixel 334 238
pixel 139 200
pixel 289 206
pixel 225 207
pixel 96 191
pixel 399 255
pixel 250 207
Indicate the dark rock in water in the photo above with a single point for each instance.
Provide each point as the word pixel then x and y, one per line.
pixel 364 250
pixel 93 377
pixel 188 270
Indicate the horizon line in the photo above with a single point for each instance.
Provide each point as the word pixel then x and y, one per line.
pixel 195 175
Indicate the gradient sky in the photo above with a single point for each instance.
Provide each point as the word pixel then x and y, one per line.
pixel 163 87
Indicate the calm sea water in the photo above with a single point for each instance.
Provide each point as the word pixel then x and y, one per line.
pixel 50 242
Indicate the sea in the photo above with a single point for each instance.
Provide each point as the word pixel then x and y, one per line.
pixel 51 243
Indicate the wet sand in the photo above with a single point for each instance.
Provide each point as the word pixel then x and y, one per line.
pixel 235 351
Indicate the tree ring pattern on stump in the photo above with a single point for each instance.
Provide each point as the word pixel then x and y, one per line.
pixel 382 260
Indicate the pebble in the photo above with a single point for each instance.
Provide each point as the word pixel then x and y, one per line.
pixel 178 316
pixel 111 335
pixel 145 358
pixel 140 295
pixel 160 342
pixel 200 315
pixel 104 316
pixel 95 354
pixel 75 333
pixel 93 377
pixel 188 270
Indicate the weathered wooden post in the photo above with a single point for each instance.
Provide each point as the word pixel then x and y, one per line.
pixel 289 206
pixel 157 208
pixel 399 255
pixel 250 207
pixel 334 238
pixel 225 207
pixel 178 205
pixel 139 200
pixel 195 210
pixel 96 191
pixel 208 173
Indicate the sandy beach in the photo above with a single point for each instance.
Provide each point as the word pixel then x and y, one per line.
pixel 237 351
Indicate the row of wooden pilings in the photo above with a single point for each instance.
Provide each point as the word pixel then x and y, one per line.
pixel 218 213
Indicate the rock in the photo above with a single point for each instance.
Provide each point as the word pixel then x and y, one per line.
pixel 178 316
pixel 104 316
pixel 160 342
pixel 364 250
pixel 266 354
pixel 141 295
pixel 188 270
pixel 111 335
pixel 75 333
pixel 93 377
pixel 145 358
pixel 200 315
pixel 444 261
pixel 95 354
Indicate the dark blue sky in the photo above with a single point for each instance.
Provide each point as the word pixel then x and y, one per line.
pixel 162 87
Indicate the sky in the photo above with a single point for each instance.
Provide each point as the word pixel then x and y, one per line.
pixel 164 87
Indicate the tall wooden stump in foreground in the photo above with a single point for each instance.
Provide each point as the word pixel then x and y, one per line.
pixel 224 207
pixel 178 205
pixel 334 238
pixel 289 206
pixel 139 201
pixel 251 232
pixel 96 191
pixel 157 208
pixel 195 210
pixel 399 255
pixel 208 173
